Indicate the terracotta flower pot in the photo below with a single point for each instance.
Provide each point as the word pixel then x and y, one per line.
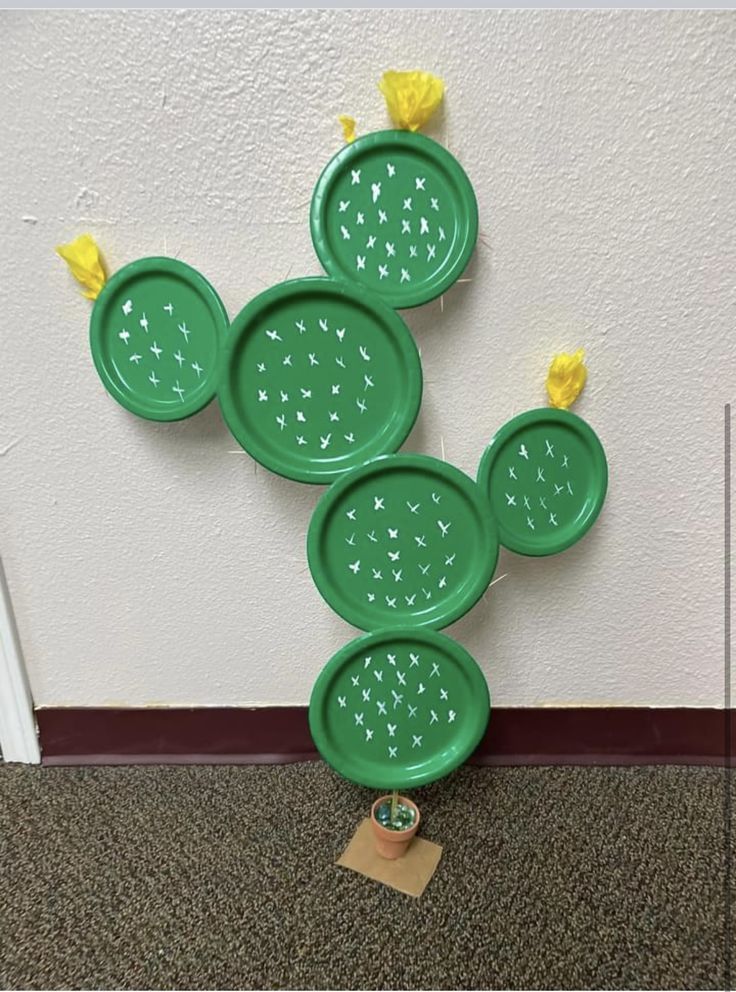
pixel 393 844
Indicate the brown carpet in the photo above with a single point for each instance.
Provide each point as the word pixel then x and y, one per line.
pixel 222 878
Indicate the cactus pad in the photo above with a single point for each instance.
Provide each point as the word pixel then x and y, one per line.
pixel 399 708
pixel 156 335
pixel 395 212
pixel 404 540
pixel 545 474
pixel 319 377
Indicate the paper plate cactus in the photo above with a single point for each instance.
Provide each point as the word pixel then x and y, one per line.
pixel 319 379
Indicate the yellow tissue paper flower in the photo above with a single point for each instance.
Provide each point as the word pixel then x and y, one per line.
pixel 411 97
pixel 348 127
pixel 565 379
pixel 83 258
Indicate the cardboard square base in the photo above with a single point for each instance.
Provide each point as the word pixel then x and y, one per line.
pixel 409 874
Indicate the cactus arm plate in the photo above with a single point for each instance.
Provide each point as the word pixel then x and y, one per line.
pixel 395 212
pixel 156 335
pixel 545 477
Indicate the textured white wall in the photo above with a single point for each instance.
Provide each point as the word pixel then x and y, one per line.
pixel 150 565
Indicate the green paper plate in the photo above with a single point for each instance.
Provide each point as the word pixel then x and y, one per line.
pixel 395 212
pixel 546 476
pixel 156 334
pixel 320 376
pixel 399 708
pixel 403 540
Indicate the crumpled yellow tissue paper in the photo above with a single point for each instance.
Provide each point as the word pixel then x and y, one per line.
pixel 566 378
pixel 348 127
pixel 85 262
pixel 411 97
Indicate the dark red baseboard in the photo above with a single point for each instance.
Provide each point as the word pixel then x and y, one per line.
pixel 221 735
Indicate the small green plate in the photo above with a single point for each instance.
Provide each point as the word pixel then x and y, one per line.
pixel 404 540
pixel 320 376
pixel 156 334
pixel 546 476
pixel 395 212
pixel 399 708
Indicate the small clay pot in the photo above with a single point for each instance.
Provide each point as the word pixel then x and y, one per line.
pixel 393 844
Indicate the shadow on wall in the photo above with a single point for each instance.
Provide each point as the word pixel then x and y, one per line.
pixel 169 440
pixel 446 314
pixel 527 579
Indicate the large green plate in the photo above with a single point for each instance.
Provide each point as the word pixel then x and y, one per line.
pixel 320 376
pixel 156 335
pixel 403 540
pixel 395 212
pixel 545 474
pixel 399 708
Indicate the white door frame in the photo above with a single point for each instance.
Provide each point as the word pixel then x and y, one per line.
pixel 18 732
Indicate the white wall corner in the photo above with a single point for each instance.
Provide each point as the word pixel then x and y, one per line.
pixel 18 732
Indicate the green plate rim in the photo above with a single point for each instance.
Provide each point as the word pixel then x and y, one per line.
pixel 364 618
pixel 443 159
pixel 433 640
pixel 521 545
pixel 144 266
pixel 355 294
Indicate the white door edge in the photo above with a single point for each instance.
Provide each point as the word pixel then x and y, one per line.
pixel 18 732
